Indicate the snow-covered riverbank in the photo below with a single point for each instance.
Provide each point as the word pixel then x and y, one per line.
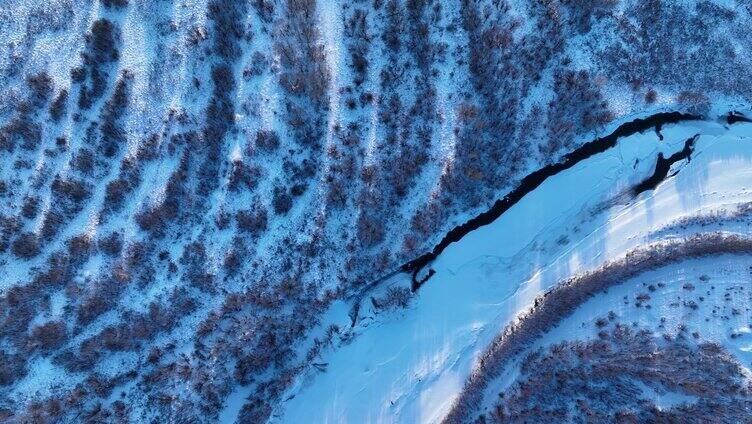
pixel 407 366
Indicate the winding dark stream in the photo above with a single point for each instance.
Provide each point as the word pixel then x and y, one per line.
pixel 536 178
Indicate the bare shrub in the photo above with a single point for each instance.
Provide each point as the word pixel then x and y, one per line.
pixel 258 65
pixel 253 221
pixel 222 219
pixel 12 368
pixel 356 29
pixel 267 141
pixel 92 307
pixel 370 230
pixel 243 176
pixel 80 248
pixel 697 102
pixel 281 200
pixel 232 262
pixel 83 161
pixel 156 218
pixel 115 193
pixel 51 223
pixel 101 50
pixel 69 194
pixel 30 207
pixel 265 9
pixel 102 42
pixel 580 371
pixel 583 12
pixel 651 96
pixel 9 226
pixel 395 297
pixel 20 130
pixel 41 87
pixel 228 27
pixel 137 253
pixel 578 107
pixel 50 335
pixel 26 246
pixel 114 3
pixel 112 244
pixel 112 134
pixel 194 259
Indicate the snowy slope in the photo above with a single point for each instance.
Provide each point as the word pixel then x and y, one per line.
pixel 193 193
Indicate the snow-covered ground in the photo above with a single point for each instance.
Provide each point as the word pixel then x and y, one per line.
pixel 408 365
pixel 274 157
pixel 705 298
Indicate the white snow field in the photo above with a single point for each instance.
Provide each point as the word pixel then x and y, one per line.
pixel 408 366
